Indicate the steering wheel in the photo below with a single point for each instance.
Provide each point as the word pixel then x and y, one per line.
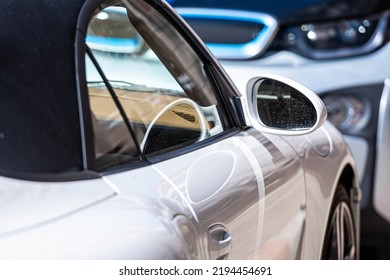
pixel 186 101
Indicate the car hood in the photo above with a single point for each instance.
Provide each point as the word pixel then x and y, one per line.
pixel 25 205
pixel 287 12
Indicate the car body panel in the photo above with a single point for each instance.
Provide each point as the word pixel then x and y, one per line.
pixel 263 194
pixel 317 193
pixel 103 231
pixel 382 178
pixel 25 204
pixel 209 200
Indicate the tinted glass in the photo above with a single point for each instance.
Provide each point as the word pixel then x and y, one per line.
pixel 159 82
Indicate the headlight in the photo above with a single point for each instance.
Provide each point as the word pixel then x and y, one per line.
pixel 336 39
pixel 347 113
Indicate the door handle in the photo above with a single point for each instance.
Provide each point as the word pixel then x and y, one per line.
pixel 219 242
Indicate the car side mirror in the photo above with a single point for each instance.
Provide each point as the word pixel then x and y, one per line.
pixel 281 106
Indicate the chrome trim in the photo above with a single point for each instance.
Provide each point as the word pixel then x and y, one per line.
pixel 236 51
pixel 376 40
pixel 382 164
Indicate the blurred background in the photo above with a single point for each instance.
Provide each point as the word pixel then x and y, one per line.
pixel 339 49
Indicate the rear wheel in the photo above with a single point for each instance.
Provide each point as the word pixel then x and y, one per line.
pixel 340 239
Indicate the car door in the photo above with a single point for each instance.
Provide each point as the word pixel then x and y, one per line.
pixel 247 194
pixel 164 137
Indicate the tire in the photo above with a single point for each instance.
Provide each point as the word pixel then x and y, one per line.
pixel 340 241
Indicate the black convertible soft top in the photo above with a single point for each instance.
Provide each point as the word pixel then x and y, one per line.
pixel 39 119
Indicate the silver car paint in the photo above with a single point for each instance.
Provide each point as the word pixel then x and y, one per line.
pixel 25 204
pixel 382 174
pixel 244 204
pixel 109 230
pixel 320 183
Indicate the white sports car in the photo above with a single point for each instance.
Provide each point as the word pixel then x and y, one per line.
pixel 339 49
pixel 121 137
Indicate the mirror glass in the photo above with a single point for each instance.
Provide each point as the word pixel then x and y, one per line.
pixel 282 106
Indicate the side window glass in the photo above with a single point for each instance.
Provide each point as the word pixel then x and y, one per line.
pixel 113 142
pixel 157 78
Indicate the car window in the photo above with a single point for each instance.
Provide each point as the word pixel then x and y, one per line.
pixel 148 90
pixel 113 141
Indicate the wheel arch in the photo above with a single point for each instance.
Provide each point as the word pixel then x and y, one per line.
pixel 348 180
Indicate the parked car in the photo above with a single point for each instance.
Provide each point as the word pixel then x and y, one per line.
pixel 121 137
pixel 339 49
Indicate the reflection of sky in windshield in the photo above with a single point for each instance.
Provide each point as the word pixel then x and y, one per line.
pixel 142 70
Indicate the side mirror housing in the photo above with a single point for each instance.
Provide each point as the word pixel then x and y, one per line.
pixel 282 106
